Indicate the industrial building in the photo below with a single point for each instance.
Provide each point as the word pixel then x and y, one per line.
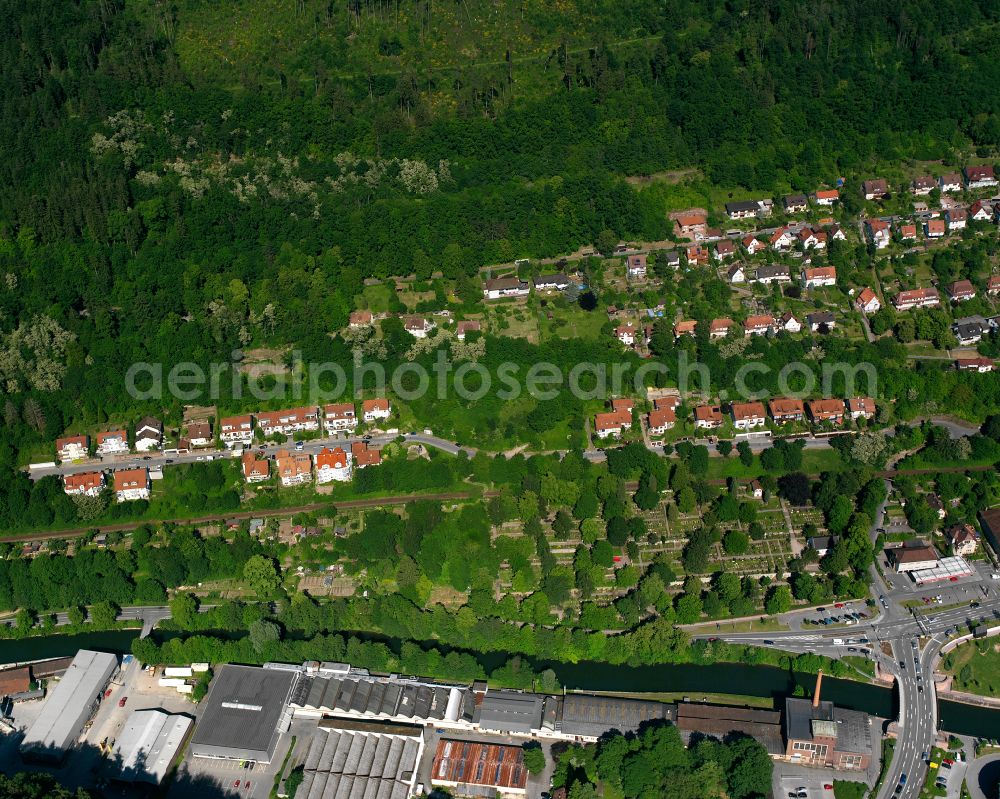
pixel 147 745
pixel 951 568
pixel 719 721
pixel 69 706
pixel 590 716
pixel 349 758
pixel 511 712
pixel 246 711
pixel 913 558
pixel 818 733
pixel 471 768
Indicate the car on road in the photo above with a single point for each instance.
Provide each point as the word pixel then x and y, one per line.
pixel 122 701
pixel 107 693
pixel 236 783
pixel 768 642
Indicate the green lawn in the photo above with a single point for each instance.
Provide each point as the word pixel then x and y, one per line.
pixel 814 461
pixel 976 667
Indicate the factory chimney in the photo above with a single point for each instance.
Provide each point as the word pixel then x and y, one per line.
pixel 819 684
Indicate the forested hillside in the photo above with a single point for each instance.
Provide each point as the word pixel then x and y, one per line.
pixel 178 179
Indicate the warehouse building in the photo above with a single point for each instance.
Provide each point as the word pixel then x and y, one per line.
pixel 69 706
pixel 820 734
pixel 470 768
pixel 246 712
pixel 511 712
pixel 147 745
pixel 589 716
pixel 353 758
pixel 718 721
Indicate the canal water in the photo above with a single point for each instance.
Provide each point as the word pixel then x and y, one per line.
pixel 688 679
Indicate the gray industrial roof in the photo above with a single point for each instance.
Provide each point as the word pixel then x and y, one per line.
pixel 852 726
pixel 510 711
pixel 358 761
pixel 593 716
pixel 373 696
pixel 147 745
pixel 69 705
pixel 243 712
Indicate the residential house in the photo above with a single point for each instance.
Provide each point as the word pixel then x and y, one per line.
pixel 979 177
pixel 557 282
pixel 821 543
pixel 236 429
pixel 826 410
pixel 294 468
pixel 789 323
pixel 956 218
pixel 719 328
pixel 934 228
pixel 636 266
pixel 498 288
pixel 963 539
pixel 339 416
pixel 961 290
pixel 333 464
pixel 835 232
pixel 821 321
pixel 72 448
pixel 747 415
pixel 876 189
pixel 785 409
pixel 660 420
pixel 758 325
pixel 993 286
pixel 612 423
pixel 667 401
pixel 131 484
pixel 819 276
pixel 626 334
pixel 781 239
pixel 148 434
pixel 868 302
pixel 907 231
pixel 670 258
pixel 364 455
pixel 878 232
pixel 112 442
pixel 861 408
pixel 795 203
pixel 752 245
pixel 467 326
pixel 419 327
pixel 969 332
pixel 255 470
pixel 622 405
pixel 685 327
pixel 692 224
pixel 360 319
pixel 951 182
pixel 724 249
pixel 811 239
pixel 373 409
pixel 288 421
pixel 200 434
pixel 736 274
pixel 696 254
pixel 772 273
pixel 756 489
pixel 980 364
pixel 826 197
pixel 708 417
pixel 916 298
pixel 924 185
pixel 980 211
pixel 88 484
pixel 744 209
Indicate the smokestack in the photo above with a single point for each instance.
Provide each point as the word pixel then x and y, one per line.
pixel 819 685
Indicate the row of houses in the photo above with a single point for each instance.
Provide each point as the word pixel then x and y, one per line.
pixel 512 286
pixel 971 177
pixel 333 464
pixel 744 415
pixel 416 326
pixel 127 484
pixel 809 278
pixel 233 430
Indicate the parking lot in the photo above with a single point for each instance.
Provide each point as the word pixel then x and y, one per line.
pixel 803 786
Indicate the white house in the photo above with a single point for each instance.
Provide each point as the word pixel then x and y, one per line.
pixel 637 266
pixel 112 442
pixel 293 468
pixel 878 232
pixel 789 323
pixel 781 239
pixel 333 464
pixel 200 434
pixel 736 273
pixel 236 430
pixel 626 334
pixel 826 197
pixel 500 287
pixel 417 326
pixel 612 423
pixel 88 484
pixel 131 484
pixel 748 415
pixel 148 434
pixel 868 301
pixel 373 409
pixel 951 182
pixel 819 276
pixel 339 416
pixel 72 448
pixel 288 421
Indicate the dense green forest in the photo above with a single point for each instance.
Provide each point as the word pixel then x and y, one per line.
pixel 179 180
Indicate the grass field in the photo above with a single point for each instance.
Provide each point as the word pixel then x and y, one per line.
pixel 814 461
pixel 976 667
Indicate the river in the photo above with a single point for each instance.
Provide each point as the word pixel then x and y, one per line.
pixel 739 678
